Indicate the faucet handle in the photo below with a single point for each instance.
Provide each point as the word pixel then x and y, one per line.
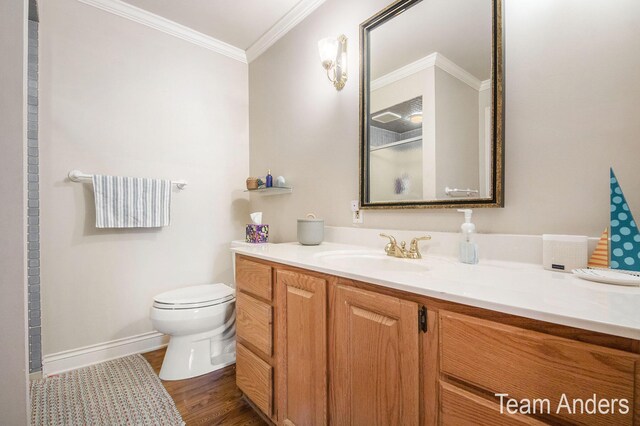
pixel 392 239
pixel 391 245
pixel 414 250
pixel 415 240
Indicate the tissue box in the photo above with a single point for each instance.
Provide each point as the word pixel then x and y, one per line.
pixel 257 233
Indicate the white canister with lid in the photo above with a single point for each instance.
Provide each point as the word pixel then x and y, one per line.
pixel 310 230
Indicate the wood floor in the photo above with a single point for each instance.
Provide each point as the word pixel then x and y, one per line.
pixel 212 399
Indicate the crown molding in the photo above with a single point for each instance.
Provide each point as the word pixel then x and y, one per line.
pixel 446 64
pixel 486 84
pixel 283 26
pixel 405 71
pixel 435 59
pixel 159 23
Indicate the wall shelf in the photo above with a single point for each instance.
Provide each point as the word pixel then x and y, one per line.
pixel 392 144
pixel 274 190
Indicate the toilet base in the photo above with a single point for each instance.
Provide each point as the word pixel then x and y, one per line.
pixel 197 354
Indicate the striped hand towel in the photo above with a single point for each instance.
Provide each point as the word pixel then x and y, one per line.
pixel 126 202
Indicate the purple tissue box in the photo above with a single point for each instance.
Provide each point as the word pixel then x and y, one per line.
pixel 257 233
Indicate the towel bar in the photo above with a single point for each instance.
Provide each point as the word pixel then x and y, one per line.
pixel 78 176
pixel 455 192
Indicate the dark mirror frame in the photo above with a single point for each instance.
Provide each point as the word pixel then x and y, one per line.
pixel 497 112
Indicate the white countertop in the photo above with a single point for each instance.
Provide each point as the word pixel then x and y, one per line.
pixel 516 288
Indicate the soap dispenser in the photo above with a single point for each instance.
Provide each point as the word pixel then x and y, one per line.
pixel 468 247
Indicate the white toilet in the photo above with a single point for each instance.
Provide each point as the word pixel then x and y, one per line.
pixel 200 321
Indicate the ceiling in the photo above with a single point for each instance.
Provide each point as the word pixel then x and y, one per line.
pixel 238 23
pixel 404 110
pixel 458 29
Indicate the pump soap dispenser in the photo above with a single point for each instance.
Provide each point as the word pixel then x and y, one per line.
pixel 468 247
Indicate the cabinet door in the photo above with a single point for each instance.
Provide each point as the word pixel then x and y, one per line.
pixel 374 370
pixel 302 349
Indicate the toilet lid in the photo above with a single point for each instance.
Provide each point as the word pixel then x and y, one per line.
pixel 195 296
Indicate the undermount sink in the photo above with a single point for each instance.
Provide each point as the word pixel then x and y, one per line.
pixel 369 260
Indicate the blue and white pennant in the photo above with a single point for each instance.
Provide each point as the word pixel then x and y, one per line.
pixel 625 238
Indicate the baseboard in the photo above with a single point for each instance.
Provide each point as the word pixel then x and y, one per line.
pixel 93 354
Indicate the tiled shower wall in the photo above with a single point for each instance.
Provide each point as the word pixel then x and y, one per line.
pixel 33 211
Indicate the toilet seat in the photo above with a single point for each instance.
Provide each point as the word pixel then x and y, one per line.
pixel 194 297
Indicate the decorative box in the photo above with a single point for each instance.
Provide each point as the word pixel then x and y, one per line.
pixel 257 233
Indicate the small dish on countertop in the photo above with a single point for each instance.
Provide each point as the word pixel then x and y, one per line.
pixel 609 276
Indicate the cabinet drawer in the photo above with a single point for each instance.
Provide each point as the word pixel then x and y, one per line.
pixel 254 322
pixel 528 365
pixel 460 407
pixel 254 278
pixel 254 377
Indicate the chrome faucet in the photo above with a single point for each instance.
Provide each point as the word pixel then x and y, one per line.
pixel 393 249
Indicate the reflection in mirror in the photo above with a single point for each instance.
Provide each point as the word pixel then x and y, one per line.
pixel 395 144
pixel 429 104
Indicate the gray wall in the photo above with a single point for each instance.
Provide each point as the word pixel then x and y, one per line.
pixel 120 98
pixel 13 319
pixel 456 134
pixel 571 112
pixel 33 210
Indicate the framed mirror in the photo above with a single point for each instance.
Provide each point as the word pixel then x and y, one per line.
pixel 431 105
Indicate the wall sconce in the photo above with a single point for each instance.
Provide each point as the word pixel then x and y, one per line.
pixel 333 54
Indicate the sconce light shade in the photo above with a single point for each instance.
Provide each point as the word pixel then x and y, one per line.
pixel 328 49
pixel 333 55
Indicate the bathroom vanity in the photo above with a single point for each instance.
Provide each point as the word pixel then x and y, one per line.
pixel 326 337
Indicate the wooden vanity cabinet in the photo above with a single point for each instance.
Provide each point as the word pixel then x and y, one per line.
pixel 315 349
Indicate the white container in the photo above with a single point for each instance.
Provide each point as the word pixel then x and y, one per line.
pixel 564 252
pixel 310 230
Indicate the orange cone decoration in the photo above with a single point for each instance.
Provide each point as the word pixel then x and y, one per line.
pixel 600 256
